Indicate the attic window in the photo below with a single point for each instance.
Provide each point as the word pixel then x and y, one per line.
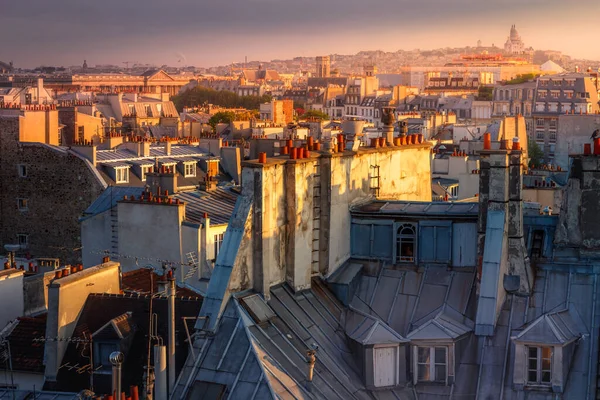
pixel 431 364
pixel 122 174
pixel 539 365
pixel 405 243
pixel 189 169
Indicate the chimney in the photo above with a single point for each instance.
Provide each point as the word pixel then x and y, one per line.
pixel 168 148
pixel 86 150
pixel 160 372
pixel 577 231
pixel 66 298
pixel 40 88
pixel 116 359
pixel 165 180
pixel 501 246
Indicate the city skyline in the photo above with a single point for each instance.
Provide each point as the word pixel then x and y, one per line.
pixel 187 33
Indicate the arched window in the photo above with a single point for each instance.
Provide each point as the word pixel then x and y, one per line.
pixel 405 243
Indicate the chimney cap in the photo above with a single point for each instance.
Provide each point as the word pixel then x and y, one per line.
pixel 116 358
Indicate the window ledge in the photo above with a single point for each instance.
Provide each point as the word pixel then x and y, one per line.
pixel 538 387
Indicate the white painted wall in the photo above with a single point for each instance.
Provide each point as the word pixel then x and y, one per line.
pixel 11 295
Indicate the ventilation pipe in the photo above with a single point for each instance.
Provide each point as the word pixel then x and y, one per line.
pixel 116 359
pixel 311 359
pixel 171 338
pixel 160 372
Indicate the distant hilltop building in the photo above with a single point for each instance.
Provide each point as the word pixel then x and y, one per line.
pixel 514 44
pixel 323 66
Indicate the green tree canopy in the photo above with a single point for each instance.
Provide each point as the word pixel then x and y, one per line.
pixel 222 117
pixel 315 114
pixel 224 98
pixel 536 154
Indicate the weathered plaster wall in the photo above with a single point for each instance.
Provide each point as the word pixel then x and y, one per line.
pixel 573 132
pixel 579 217
pixel 404 175
pixel 284 219
pixel 150 230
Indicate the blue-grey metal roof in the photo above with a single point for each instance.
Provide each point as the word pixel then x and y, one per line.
pixel 7 394
pixel 218 204
pixel 366 329
pixel 156 151
pixel 108 199
pixel 447 324
pixel 442 208
pixel 558 327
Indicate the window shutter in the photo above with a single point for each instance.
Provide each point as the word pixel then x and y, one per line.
pixel 426 243
pixel 361 240
pixel 435 241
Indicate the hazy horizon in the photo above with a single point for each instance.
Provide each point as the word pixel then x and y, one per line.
pixel 211 34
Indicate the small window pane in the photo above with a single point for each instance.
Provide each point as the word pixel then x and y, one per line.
pixel 532 376
pixel 546 377
pixel 423 372
pixel 533 352
pixel 440 355
pixel 440 373
pixel 423 354
pixel 532 363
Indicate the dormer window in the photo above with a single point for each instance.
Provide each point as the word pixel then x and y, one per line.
pixel 146 169
pixel 189 169
pixel 122 174
pixel 431 364
pixel 539 365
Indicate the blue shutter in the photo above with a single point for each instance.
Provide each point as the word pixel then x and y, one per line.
pixel 464 244
pixel 383 237
pixel 435 241
pixel 426 243
pixel 360 240
pixel 443 243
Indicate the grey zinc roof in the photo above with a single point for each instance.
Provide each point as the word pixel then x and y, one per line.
pixel 492 257
pixel 559 327
pixel 156 151
pixel 404 298
pixel 447 324
pixel 219 205
pixel 109 198
pixel 366 329
pixel 417 208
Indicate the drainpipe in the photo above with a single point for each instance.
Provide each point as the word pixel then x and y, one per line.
pixel 171 337
pixel 116 359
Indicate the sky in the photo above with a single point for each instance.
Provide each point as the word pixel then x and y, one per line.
pixel 207 33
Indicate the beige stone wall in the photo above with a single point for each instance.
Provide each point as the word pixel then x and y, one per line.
pixel 300 224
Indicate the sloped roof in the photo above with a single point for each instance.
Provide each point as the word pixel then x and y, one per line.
pixel 551 66
pixel 268 359
pixel 218 204
pixel 366 329
pixel 145 281
pixel 559 327
pixel 121 326
pixel 27 351
pixel 447 324
pixel 108 199
pixel 102 308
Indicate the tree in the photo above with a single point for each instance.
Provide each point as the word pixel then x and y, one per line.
pixel 536 154
pixel 315 115
pixel 224 98
pixel 222 117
